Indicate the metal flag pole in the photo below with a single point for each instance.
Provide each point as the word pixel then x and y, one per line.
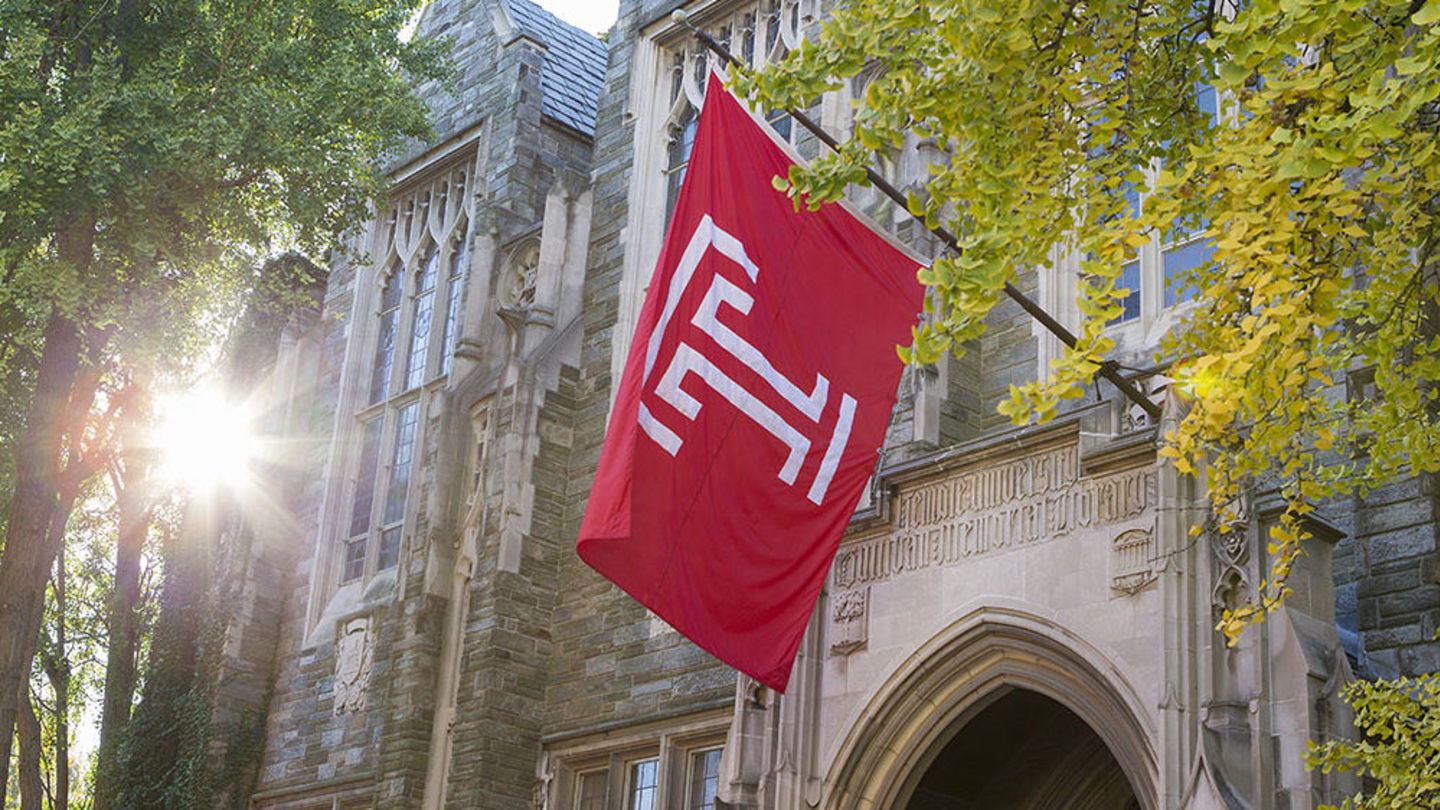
pixel 1109 369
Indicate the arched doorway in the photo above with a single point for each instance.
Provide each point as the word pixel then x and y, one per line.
pixel 1022 750
pixel 1027 668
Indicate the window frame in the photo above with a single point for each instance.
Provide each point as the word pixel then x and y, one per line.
pixel 1158 293
pixel 689 783
pixel 429 221
pixel 671 744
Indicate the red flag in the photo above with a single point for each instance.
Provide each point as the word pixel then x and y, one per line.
pixel 755 397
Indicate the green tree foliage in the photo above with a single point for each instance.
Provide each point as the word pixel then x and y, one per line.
pixel 148 152
pixel 1319 187
pixel 1400 721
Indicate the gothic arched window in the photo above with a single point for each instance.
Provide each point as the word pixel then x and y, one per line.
pixel 427 230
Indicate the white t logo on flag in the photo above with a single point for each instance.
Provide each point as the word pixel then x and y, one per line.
pixel 687 360
pixel 795 367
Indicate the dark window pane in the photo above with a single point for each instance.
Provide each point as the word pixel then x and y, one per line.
pixel 385 348
pixel 772 24
pixel 682 143
pixel 780 121
pixel 677 76
pixel 425 279
pixel 354 560
pixel 400 464
pixel 1130 280
pixel 644 784
pixel 1180 260
pixel 389 548
pixel 365 478
pixel 390 296
pixel 419 339
pixel 590 795
pixel 704 779
pixel 747 39
pixel 452 304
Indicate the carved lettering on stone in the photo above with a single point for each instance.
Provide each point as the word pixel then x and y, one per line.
pixel 998 508
pixel 352 665
pixel 1132 561
pixel 849 621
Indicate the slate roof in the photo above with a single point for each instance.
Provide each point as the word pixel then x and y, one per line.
pixel 574 65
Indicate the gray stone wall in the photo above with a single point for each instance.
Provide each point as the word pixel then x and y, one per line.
pixel 1387 577
pixel 387 742
pixel 611 663
pixel 305 742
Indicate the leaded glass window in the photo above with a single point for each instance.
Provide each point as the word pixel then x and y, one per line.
pixel 644 784
pixel 458 258
pixel 758 34
pixel 390 297
pixel 704 779
pixel 421 316
pixel 423 241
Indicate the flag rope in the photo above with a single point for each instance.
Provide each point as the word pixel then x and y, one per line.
pixel 1109 369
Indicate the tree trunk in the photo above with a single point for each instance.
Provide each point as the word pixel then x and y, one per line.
pixel 57 669
pixel 62 395
pixel 123 624
pixel 28 733
pixel 26 559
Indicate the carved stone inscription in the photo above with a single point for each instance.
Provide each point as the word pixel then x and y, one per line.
pixel 995 509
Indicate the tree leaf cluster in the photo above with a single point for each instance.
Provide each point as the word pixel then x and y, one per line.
pixel 1399 749
pixel 1316 184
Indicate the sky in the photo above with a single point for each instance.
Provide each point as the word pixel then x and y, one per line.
pixel 595 16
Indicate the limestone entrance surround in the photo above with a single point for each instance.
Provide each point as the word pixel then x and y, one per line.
pixel 974 662
pixel 1057 560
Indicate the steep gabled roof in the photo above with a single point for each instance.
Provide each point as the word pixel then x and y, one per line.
pixel 574 65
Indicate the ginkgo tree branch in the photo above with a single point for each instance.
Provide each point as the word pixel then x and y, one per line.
pixel 1108 369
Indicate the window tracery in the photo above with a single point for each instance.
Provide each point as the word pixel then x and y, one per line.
pixel 425 231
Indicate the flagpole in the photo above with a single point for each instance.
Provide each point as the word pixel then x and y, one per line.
pixel 1109 369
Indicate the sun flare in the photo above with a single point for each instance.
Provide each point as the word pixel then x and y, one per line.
pixel 204 440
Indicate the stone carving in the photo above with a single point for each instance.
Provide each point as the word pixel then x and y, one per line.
pixel 1135 419
pixel 1132 561
pixel 522 269
pixel 849 621
pixel 755 695
pixel 994 509
pixel 352 665
pixel 1229 543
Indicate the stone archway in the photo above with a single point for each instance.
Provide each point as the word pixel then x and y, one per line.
pixel 990 659
pixel 1022 750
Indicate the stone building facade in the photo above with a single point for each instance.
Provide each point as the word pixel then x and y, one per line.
pixel 1016 618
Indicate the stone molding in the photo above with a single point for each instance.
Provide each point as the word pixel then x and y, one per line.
pixel 957 674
